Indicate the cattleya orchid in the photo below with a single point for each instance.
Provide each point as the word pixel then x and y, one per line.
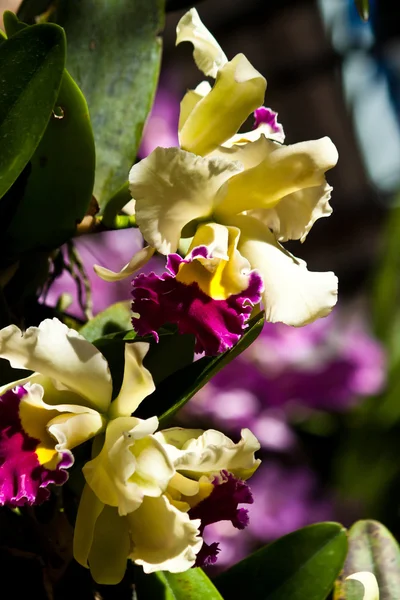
pixel 148 494
pixel 66 401
pixel 250 186
pixel 161 530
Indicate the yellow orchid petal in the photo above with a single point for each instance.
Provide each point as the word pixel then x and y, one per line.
pixel 292 294
pixel 137 382
pixel 286 169
pixel 110 547
pixel 225 271
pixel 195 452
pixel 172 188
pixel 208 54
pixel 368 580
pixel 70 430
pixel 163 537
pixel 131 465
pixel 293 217
pixel 239 89
pixel 249 155
pixel 190 99
pixel 89 510
pixel 138 261
pixel 60 354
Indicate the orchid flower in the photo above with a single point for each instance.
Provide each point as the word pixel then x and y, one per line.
pixel 266 192
pixel 163 531
pixel 66 401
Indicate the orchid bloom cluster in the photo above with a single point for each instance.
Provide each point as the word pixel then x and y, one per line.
pixel 229 199
pixel 148 495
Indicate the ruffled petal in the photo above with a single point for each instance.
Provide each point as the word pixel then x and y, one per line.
pixel 208 54
pixel 266 124
pixel 209 452
pixel 295 214
pixel 164 538
pixel 137 382
pixel 239 89
pixel 292 294
pixel 285 170
pixel 248 154
pixel 139 260
pixel 216 324
pixel 61 354
pixel 171 188
pixel 24 472
pixel 131 465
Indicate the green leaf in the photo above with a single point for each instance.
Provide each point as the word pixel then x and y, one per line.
pixel 114 55
pixel 300 566
pixel 176 390
pixel 371 548
pixel 31 68
pixel 29 9
pixel 363 9
pixel 191 585
pixel 115 318
pixel 59 185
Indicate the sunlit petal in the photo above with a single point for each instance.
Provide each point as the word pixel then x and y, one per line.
pixel 173 187
pixel 61 354
pixel 164 538
pixel 239 89
pixel 137 262
pixel 207 53
pixel 292 294
pixel 137 383
pixel 286 169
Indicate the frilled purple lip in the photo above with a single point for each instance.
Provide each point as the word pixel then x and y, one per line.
pixel 216 324
pixel 221 505
pixel 267 116
pixel 23 480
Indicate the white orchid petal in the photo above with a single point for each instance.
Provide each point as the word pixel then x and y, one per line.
pixel 292 294
pixel 164 538
pixel 61 354
pixel 368 580
pixel 208 54
pixel 132 464
pixel 137 262
pixel 173 187
pixel 89 510
pixel 285 170
pixel 295 214
pixel 209 452
pixel 190 100
pixel 239 89
pixel 137 382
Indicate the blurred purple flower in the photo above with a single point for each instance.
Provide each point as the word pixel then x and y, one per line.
pixel 161 128
pixel 111 249
pixel 328 365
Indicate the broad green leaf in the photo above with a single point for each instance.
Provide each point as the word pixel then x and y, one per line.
pixel 114 55
pixel 363 9
pixel 59 185
pixel 191 585
pixel 176 390
pixel 116 317
pixel 300 566
pixel 371 548
pixel 31 69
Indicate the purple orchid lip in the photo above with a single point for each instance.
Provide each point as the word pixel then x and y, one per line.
pixel 221 505
pixel 216 324
pixel 267 116
pixel 23 479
